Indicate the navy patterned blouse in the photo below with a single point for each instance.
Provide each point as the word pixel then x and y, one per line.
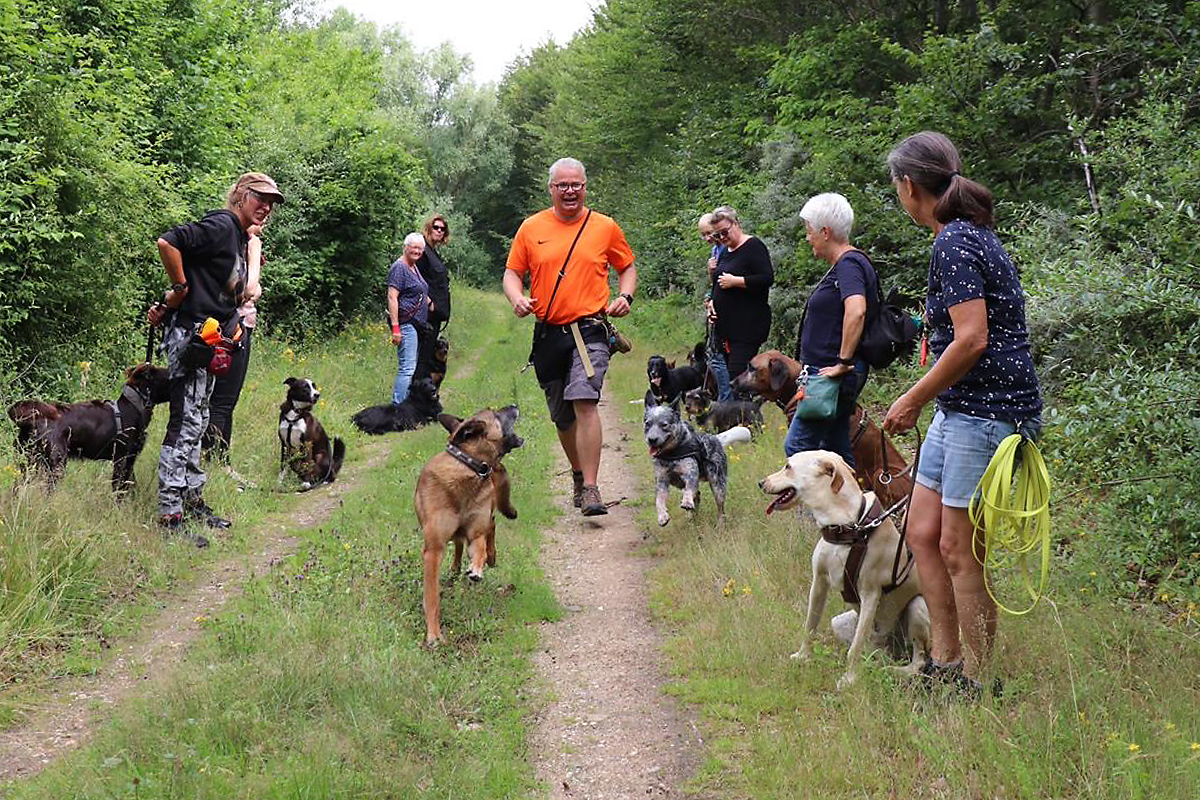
pixel 968 262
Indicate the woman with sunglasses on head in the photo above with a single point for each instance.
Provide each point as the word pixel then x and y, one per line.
pixel 437 276
pixel 984 387
pixel 741 281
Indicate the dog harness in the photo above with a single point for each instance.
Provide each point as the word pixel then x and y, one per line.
pixel 689 448
pixel 139 404
pixel 480 468
pixel 858 536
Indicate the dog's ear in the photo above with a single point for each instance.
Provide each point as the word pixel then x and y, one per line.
pixel 651 400
pixel 778 373
pixel 449 421
pixel 290 381
pixel 468 430
pixel 676 404
pixel 830 469
pixel 671 364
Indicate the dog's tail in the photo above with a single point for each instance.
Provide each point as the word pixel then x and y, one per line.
pixel 339 455
pixel 738 433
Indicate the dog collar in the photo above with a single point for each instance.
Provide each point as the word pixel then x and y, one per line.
pixel 860 530
pixel 688 448
pixel 480 468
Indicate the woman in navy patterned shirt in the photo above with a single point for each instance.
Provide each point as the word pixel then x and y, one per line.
pixel 984 387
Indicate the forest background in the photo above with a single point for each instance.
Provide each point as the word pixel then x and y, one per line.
pixel 122 117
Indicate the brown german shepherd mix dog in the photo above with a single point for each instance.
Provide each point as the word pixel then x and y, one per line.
pixel 457 495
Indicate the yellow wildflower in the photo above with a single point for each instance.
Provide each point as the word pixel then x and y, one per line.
pixel 1134 747
pixel 1091 574
pixel 746 589
pixel 728 590
pixel 1170 726
pixel 201 619
pixel 1195 746
pixel 289 355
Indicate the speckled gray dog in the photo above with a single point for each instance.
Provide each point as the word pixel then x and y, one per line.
pixel 683 457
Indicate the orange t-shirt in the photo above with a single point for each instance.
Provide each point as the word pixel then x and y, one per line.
pixel 541 246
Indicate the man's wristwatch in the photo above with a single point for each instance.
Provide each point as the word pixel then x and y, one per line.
pixel 849 362
pixel 628 298
pixel 179 287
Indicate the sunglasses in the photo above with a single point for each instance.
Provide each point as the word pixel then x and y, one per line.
pixel 437 227
pixel 720 234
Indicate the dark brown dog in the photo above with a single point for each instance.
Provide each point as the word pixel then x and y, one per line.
pixel 773 376
pixel 50 433
pixel 458 493
pixel 303 444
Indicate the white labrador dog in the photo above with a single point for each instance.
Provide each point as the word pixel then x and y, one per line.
pixel 824 483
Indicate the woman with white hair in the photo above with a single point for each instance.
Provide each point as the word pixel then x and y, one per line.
pixel 408 308
pixel 833 322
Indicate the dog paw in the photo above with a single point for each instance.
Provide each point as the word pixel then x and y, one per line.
pixel 846 681
pixel 800 655
pixel 473 576
pixel 687 505
pixel 663 519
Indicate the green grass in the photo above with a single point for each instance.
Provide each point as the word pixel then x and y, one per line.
pixel 1101 698
pixel 314 683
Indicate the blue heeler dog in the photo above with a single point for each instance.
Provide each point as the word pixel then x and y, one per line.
pixel 683 457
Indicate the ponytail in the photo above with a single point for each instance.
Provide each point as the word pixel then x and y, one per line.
pixel 930 160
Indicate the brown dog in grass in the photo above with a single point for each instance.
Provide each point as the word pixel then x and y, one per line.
pixel 458 493
pixel 772 375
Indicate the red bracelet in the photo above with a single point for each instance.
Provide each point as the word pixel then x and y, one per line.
pixel 395 329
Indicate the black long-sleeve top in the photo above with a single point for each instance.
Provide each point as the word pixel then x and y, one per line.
pixel 744 314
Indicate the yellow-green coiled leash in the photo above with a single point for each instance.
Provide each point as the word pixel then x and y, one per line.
pixel 1015 519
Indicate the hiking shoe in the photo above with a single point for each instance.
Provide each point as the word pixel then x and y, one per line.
pixel 175 524
pixel 577 481
pixel 198 509
pixel 931 674
pixel 590 503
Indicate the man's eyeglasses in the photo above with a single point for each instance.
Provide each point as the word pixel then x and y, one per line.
pixel 720 234
pixel 569 187
pixel 437 227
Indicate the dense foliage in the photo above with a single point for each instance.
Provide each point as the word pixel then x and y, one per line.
pixel 124 117
pixel 1080 116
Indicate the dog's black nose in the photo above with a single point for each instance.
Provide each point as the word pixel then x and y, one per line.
pixel 760 484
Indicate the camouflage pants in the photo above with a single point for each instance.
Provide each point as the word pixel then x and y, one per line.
pixel 180 477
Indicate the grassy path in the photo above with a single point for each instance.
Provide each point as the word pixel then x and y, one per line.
pixel 607 729
pixel 142 664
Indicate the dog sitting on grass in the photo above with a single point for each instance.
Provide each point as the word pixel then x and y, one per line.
pixel 303 444
pixel 457 495
pixel 50 433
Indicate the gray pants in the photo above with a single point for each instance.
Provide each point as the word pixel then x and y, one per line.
pixel 180 478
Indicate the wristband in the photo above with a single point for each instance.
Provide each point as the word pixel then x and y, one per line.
pixel 395 327
pixel 628 298
pixel 849 362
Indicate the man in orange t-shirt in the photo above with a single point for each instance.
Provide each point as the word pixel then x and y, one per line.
pixel 581 244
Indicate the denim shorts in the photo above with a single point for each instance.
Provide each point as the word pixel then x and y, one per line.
pixel 957 450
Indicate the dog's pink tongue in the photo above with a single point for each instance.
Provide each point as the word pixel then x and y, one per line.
pixel 779 500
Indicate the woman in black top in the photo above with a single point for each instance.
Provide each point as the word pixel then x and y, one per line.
pixel 433 270
pixel 741 282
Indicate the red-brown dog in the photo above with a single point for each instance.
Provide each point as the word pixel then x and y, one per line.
pixel 457 495
pixel 772 375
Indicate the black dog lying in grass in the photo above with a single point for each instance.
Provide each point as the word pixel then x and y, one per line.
pixel 50 433
pixel 420 407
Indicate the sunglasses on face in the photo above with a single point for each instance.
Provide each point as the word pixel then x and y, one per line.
pixel 437 227
pixel 569 187
pixel 720 234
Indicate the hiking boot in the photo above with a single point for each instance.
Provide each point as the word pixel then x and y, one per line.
pixel 198 509
pixel 931 674
pixel 590 503
pixel 175 524
pixel 577 496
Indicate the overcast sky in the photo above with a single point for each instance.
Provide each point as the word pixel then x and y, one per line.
pixel 491 32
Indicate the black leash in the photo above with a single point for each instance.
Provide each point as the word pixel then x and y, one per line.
pixel 150 345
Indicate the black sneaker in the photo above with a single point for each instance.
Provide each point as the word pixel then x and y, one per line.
pixel 175 524
pixel 198 509
pixel 931 674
